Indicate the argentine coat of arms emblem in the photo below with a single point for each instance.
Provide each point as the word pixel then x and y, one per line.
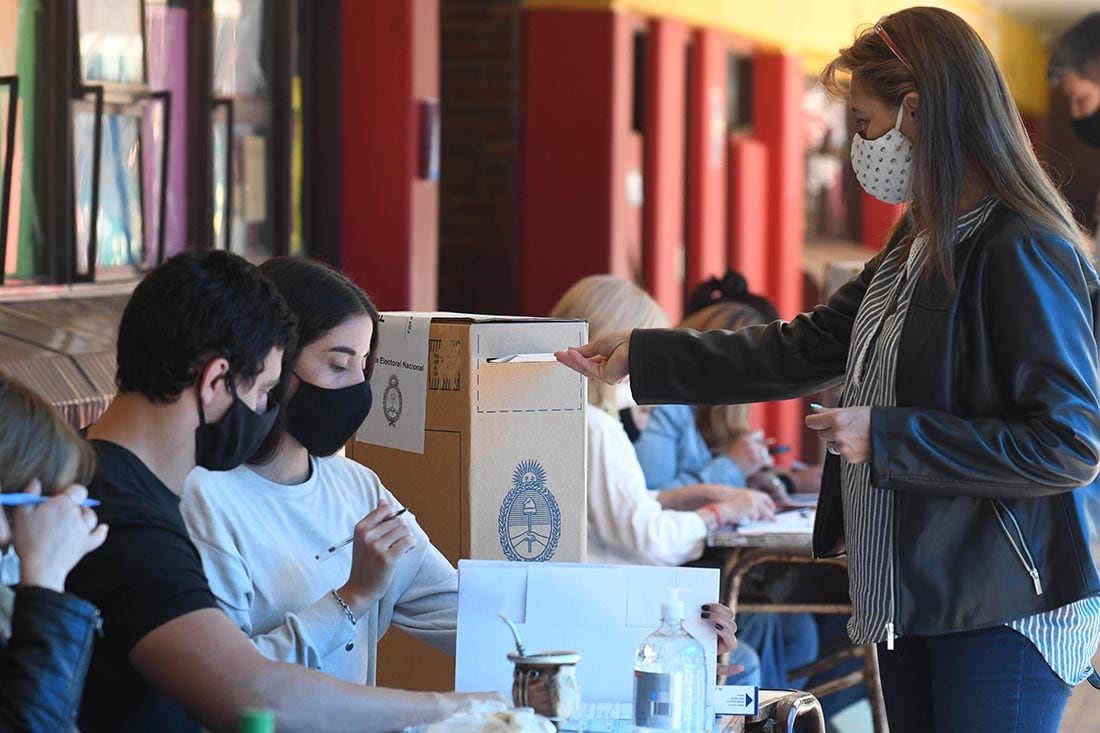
pixel 530 521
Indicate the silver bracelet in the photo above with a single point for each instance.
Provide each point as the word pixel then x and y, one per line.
pixel 347 609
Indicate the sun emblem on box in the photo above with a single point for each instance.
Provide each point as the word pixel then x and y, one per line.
pixel 530 521
pixel 392 402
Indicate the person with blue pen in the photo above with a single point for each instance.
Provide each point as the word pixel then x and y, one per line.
pixel 46 527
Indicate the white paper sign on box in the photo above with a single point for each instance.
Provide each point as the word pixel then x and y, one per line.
pixel 602 612
pixel 399 383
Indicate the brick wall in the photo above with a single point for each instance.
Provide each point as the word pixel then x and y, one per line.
pixel 480 77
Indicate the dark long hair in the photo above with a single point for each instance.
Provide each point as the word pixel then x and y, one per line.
pixel 321 298
pixel 967 120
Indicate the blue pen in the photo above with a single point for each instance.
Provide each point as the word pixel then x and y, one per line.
pixel 32 500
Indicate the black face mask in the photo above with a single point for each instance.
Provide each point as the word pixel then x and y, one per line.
pixel 323 420
pixel 1088 128
pixel 229 442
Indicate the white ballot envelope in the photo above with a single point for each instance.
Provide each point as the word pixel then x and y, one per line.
pixel 603 612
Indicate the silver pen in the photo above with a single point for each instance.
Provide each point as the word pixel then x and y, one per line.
pixel 337 547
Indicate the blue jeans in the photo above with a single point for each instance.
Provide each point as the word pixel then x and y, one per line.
pixel 746 656
pixel 783 641
pixel 991 680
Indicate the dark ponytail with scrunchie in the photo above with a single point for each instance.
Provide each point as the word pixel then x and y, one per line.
pixel 730 288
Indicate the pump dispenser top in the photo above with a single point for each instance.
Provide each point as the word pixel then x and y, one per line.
pixel 672 608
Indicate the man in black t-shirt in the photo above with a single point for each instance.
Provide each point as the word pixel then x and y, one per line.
pixel 200 348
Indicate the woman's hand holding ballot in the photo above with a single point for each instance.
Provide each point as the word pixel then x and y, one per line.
pixel 607 358
pixel 848 430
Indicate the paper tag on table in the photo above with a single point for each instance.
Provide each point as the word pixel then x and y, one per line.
pixel 736 699
pixel 399 384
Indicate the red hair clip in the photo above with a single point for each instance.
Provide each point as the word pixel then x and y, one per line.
pixel 881 32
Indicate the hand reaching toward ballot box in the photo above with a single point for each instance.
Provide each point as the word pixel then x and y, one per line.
pixel 607 358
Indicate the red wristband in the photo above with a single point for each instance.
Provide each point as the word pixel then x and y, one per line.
pixel 717 514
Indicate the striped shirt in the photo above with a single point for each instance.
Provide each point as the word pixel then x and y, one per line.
pixel 1066 637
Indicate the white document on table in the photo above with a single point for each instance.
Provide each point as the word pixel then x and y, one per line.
pixel 802 500
pixel 792 521
pixel 603 612
pixel 399 383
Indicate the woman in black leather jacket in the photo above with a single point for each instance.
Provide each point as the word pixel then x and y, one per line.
pixel 970 419
pixel 46 636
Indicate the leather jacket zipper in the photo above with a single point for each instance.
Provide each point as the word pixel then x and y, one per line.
pixel 84 662
pixel 1023 552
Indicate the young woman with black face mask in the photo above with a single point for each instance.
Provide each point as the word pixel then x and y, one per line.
pixel 264 529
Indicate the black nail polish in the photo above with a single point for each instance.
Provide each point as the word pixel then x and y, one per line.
pixel 706 606
pixel 719 626
pixel 706 615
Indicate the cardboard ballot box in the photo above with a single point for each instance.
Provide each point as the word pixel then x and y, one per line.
pixel 502 474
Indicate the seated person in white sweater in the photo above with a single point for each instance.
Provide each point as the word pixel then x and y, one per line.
pixel 626 524
pixel 260 527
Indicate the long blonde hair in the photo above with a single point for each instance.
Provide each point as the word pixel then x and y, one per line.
pixel 37 443
pixel 720 425
pixel 609 304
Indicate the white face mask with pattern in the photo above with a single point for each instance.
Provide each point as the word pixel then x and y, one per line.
pixel 883 165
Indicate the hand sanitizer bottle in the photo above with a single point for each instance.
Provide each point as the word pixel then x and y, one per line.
pixel 670 674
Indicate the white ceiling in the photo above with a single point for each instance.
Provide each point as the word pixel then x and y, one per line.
pixel 1053 16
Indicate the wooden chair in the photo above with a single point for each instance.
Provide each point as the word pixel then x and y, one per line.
pixel 743 559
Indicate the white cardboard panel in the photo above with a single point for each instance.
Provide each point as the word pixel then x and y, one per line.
pixel 605 637
pixel 527 466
